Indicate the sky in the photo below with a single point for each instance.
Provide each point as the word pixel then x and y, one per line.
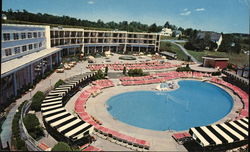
pixel 227 16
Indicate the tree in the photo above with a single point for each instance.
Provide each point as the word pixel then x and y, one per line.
pixel 37 101
pixel 61 146
pixel 167 25
pixel 124 70
pixel 106 70
pixel 58 83
pixel 152 28
pixel 33 126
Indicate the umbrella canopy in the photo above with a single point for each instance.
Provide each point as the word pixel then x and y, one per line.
pixel 228 132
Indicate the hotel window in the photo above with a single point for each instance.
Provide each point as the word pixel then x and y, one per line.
pixel 40 44
pixel 6 36
pixel 35 35
pixel 15 36
pixel 30 46
pixel 24 48
pixel 8 52
pixel 35 45
pixel 39 34
pixel 23 35
pixel 17 50
pixel 29 35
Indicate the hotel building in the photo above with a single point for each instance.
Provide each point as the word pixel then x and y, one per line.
pixel 29 51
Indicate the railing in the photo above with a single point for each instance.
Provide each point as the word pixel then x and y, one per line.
pixel 30 142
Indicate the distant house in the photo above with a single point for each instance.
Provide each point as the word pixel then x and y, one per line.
pixel 215 37
pixel 177 33
pixel 166 32
pixel 215 62
pixel 4 17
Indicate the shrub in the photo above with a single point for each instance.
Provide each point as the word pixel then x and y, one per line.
pixel 37 101
pixel 124 70
pixel 16 139
pixel 189 46
pixel 106 70
pixel 181 69
pixel 99 75
pixel 33 126
pixel 58 83
pixel 61 146
pixel 135 72
pixel 216 73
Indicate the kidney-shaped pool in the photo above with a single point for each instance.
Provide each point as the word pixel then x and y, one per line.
pixel 194 103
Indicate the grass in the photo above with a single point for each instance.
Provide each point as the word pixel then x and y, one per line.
pixel 238 59
pixel 167 46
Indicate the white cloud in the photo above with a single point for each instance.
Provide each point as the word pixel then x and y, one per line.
pixel 200 9
pixel 185 13
pixel 185 9
pixel 91 2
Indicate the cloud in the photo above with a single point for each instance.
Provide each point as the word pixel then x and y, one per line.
pixel 185 13
pixel 200 9
pixel 91 2
pixel 185 9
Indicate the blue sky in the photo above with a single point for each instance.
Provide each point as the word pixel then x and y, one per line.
pixel 212 15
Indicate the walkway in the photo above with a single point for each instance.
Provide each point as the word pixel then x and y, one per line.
pixel 43 86
pixel 184 50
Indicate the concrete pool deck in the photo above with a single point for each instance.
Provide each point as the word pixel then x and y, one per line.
pixel 159 140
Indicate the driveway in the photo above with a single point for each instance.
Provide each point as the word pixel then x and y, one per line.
pixel 183 49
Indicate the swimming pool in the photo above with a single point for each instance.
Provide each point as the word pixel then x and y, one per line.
pixel 194 103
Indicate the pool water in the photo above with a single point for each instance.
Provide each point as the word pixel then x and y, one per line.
pixel 194 103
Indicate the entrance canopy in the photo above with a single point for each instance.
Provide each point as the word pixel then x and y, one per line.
pixel 228 132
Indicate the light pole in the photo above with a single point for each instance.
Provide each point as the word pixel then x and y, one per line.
pixel 50 83
pixel 30 93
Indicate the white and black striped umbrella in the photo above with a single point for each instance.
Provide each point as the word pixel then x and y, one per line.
pixel 224 133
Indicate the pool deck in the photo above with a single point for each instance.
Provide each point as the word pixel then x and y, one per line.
pixel 159 140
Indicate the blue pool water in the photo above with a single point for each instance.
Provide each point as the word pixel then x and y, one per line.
pixel 194 103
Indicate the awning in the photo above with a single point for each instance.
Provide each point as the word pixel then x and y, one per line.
pixel 227 132
pixel 18 63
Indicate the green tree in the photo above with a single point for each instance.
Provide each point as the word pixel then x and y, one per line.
pixel 106 70
pixel 58 83
pixel 61 146
pixel 124 70
pixel 152 28
pixel 33 126
pixel 37 101
pixel 167 25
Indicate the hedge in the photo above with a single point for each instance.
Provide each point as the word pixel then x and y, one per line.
pixel 58 83
pixel 37 101
pixel 61 146
pixel 18 143
pixel 33 126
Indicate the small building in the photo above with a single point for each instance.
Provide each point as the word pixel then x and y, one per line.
pixel 215 62
pixel 177 33
pixel 166 32
pixel 169 55
pixel 214 37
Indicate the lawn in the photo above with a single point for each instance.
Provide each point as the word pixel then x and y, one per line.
pixel 167 46
pixel 238 59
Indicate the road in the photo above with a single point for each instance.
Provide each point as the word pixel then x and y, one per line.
pixel 183 49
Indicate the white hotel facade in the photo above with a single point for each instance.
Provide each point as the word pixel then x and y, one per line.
pixel 28 51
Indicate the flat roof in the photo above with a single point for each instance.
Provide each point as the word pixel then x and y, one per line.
pixel 215 58
pixel 18 63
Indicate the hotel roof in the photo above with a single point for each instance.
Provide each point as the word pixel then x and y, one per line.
pixel 18 63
